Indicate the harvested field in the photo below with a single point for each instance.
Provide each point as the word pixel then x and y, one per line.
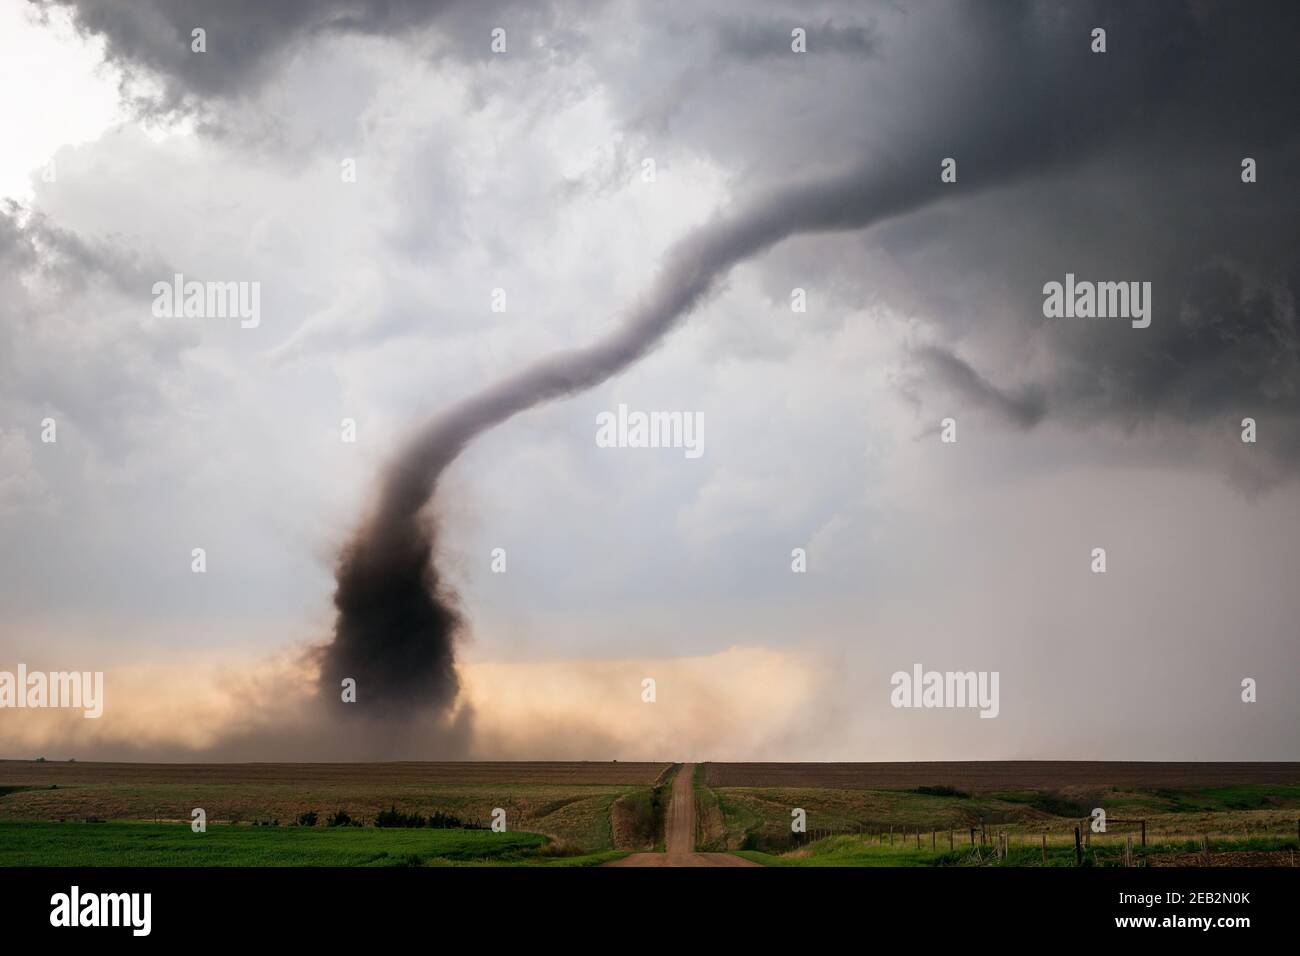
pixel 1000 775
pixel 568 801
pixel 296 774
pixel 1249 813
pixel 1264 858
pixel 941 814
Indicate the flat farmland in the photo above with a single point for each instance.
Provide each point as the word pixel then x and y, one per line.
pixel 903 813
pixel 135 843
pixel 577 804
pixel 1000 775
pixel 270 774
pixel 563 814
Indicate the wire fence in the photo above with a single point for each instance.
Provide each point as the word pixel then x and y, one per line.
pixel 1128 839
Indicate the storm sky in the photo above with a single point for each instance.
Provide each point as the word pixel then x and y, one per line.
pixel 129 158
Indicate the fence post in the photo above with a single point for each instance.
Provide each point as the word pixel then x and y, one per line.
pixel 1078 848
pixel 933 838
pixel 950 846
pixel 983 840
pixel 1128 850
pixel 1044 846
pixel 1144 833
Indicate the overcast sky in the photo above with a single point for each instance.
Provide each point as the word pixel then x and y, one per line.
pixel 129 157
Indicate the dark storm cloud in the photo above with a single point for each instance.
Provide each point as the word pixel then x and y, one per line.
pixel 73 343
pixel 1010 90
pixel 1227 348
pixel 1164 203
pixel 1117 166
pixel 396 625
pixel 30 240
pixel 759 39
pixel 1024 408
pixel 247 40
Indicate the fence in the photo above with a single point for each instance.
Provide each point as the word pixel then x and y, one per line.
pixel 1129 835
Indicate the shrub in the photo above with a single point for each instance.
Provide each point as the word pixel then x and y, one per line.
pixel 340 818
pixel 449 821
pixel 1058 805
pixel 396 818
pixel 639 815
pixel 559 848
pixel 307 819
pixel 943 792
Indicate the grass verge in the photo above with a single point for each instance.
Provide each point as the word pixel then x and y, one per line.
pixel 174 844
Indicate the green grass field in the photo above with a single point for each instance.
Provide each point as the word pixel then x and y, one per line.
pixel 580 813
pixel 174 844
pixel 571 802
pixel 1244 824
pixel 856 851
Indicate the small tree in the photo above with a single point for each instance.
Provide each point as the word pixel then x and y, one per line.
pixel 396 818
pixel 339 818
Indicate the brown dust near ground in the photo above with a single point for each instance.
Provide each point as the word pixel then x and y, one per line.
pixel 680 835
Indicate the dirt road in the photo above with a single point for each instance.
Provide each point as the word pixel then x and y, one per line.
pixel 681 833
